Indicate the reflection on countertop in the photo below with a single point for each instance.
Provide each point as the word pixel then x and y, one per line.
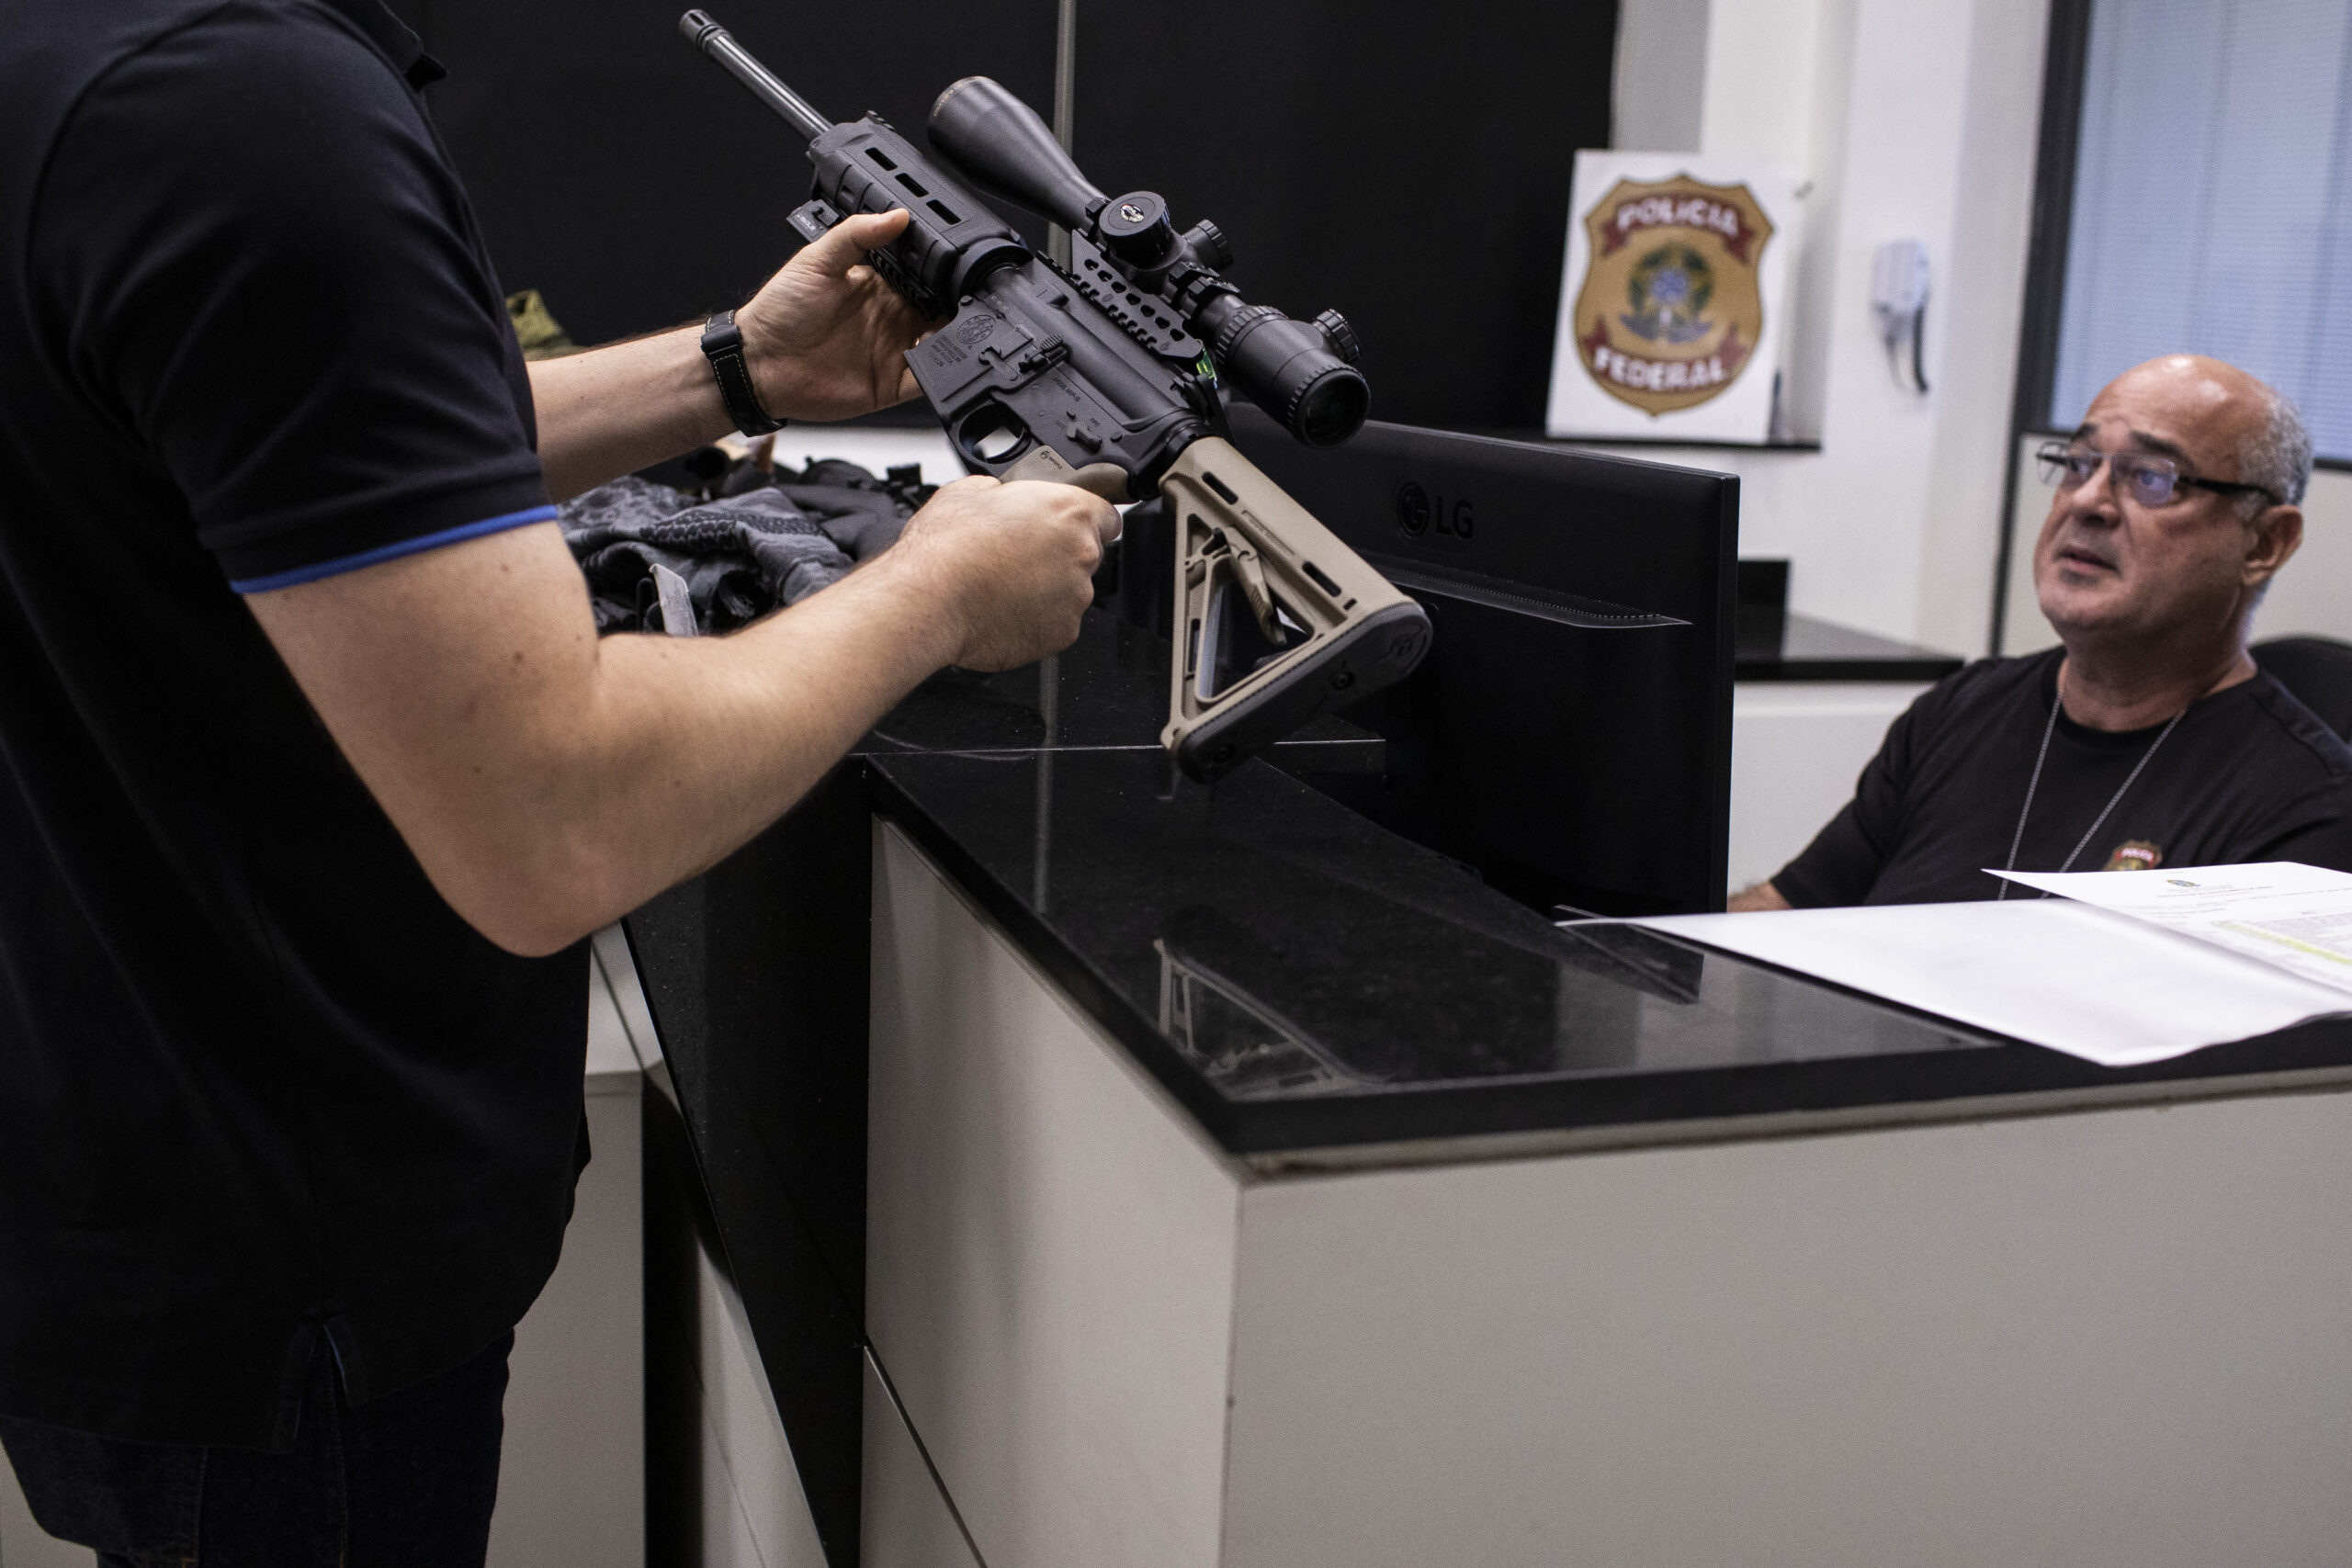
pixel 1285 915
pixel 1108 691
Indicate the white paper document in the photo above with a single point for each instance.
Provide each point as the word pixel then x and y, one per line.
pixel 2103 987
pixel 2297 916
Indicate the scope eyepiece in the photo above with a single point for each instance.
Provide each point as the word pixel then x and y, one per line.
pixel 1291 370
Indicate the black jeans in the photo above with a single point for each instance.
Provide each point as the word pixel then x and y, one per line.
pixel 405 1482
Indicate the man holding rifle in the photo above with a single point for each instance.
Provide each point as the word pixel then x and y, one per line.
pixel 314 774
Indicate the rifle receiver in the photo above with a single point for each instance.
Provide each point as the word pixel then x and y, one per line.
pixel 716 41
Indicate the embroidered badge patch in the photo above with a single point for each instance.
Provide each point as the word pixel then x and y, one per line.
pixel 1672 308
pixel 2135 854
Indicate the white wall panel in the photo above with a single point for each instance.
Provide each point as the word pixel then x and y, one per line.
pixel 24 1544
pixel 572 1470
pixel 2117 1337
pixel 754 1511
pixel 1050 1250
pixel 906 1520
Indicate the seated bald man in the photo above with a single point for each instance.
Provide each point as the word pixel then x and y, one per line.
pixel 2149 738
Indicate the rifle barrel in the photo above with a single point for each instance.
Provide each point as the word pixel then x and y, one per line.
pixel 720 45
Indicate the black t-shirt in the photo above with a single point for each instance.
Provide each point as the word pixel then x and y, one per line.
pixel 256 1078
pixel 2248 775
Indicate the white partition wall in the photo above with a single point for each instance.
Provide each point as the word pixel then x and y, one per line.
pixel 1796 749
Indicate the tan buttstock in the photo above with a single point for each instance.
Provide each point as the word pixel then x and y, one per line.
pixel 1350 631
pixel 1353 633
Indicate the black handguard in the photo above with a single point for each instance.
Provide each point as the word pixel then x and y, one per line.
pixel 1113 376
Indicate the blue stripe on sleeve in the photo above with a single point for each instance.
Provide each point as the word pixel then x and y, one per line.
pixel 423 542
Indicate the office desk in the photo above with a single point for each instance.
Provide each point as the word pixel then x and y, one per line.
pixel 1128 1172
pixel 1794 647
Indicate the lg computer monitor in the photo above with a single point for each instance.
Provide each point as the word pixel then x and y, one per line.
pixel 1568 736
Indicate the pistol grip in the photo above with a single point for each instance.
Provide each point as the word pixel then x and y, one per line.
pixel 1105 479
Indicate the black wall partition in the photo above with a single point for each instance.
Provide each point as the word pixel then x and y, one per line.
pixel 632 182
pixel 1405 163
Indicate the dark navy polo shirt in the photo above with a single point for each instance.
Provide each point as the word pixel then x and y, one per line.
pixel 258 1083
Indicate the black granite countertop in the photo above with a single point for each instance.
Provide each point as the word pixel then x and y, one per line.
pixel 1791 646
pixel 1300 978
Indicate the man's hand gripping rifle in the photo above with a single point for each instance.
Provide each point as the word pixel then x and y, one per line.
pixel 1112 376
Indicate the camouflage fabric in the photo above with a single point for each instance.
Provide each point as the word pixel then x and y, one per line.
pixel 541 335
pixel 742 555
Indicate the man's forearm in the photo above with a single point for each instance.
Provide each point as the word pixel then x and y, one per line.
pixel 549 781
pixel 1759 900
pixel 612 410
pixel 573 778
pixel 690 745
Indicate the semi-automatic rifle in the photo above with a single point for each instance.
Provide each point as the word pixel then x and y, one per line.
pixel 1113 374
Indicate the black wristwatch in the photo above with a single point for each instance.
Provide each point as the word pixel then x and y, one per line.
pixel 722 345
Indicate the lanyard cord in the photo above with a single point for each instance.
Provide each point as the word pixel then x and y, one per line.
pixel 2112 801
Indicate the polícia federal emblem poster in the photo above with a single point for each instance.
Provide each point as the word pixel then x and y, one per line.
pixel 1672 310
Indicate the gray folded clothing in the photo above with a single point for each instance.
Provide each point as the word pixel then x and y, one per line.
pixel 859 512
pixel 741 557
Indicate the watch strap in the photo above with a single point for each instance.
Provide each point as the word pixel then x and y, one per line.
pixel 722 345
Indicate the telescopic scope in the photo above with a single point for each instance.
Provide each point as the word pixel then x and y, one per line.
pixel 1301 374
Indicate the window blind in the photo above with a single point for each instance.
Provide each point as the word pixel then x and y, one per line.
pixel 2214 201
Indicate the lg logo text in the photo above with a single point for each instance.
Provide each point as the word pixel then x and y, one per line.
pixel 1433 517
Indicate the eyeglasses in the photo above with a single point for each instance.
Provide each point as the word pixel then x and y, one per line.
pixel 2153 481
